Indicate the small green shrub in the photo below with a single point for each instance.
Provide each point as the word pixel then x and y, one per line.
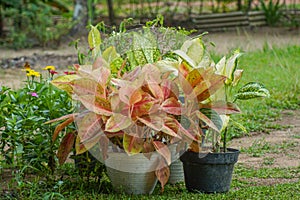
pixel 25 140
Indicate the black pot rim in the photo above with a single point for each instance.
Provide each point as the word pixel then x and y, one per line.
pixel 230 156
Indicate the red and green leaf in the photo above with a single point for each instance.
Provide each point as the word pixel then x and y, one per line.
pixel 222 107
pixel 163 150
pixel 96 104
pixel 207 121
pixel 65 147
pixel 132 145
pixel 117 122
pixel 171 106
pixel 162 173
pixel 61 126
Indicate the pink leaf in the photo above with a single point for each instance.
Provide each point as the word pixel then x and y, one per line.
pixel 163 150
pixel 171 106
pixel 96 104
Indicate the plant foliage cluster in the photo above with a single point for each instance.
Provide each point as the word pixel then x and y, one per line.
pixel 25 139
pixel 33 22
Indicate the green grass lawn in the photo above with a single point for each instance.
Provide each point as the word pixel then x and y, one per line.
pixel 278 70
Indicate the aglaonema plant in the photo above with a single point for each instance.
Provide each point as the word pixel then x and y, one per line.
pixel 209 87
pixel 138 110
pixel 228 67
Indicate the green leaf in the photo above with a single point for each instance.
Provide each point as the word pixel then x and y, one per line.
pixel 64 82
pixel 110 54
pixel 194 49
pixel 231 66
pixel 94 40
pixel 252 90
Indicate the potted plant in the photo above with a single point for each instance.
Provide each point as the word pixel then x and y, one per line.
pixel 130 108
pixel 209 168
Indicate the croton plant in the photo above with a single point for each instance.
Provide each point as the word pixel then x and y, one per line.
pixel 145 98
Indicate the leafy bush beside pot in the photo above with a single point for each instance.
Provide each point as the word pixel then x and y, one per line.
pixel 24 138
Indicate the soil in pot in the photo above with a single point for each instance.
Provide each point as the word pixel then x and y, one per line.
pixel 209 172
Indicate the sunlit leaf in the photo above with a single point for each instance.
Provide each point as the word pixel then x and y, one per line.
pixel 186 58
pixel 194 77
pixel 237 75
pixel 117 122
pixel 64 82
pixel 94 40
pixel 194 49
pixel 231 65
pixel 132 145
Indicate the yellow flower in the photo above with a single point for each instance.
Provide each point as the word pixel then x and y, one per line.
pixel 33 73
pixel 26 67
pixel 49 68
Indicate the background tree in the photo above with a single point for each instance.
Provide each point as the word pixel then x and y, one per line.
pixel 111 14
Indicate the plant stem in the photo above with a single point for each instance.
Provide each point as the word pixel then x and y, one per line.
pixel 224 140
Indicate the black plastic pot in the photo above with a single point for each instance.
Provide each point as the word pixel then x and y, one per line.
pixel 210 172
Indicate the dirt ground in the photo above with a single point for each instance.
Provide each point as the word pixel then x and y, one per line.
pixel 282 146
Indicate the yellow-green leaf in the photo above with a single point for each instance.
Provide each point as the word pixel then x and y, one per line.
pixel 94 40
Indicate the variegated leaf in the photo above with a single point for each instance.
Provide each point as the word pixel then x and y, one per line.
pixel 163 150
pixel 171 106
pixel 231 66
pixel 132 145
pixel 96 104
pixel 208 120
pixel 117 122
pixel 194 77
pixel 194 49
pixel 222 107
pixel 94 40
pixel 89 126
pixel 186 58
pixel 252 90
pixel 64 82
